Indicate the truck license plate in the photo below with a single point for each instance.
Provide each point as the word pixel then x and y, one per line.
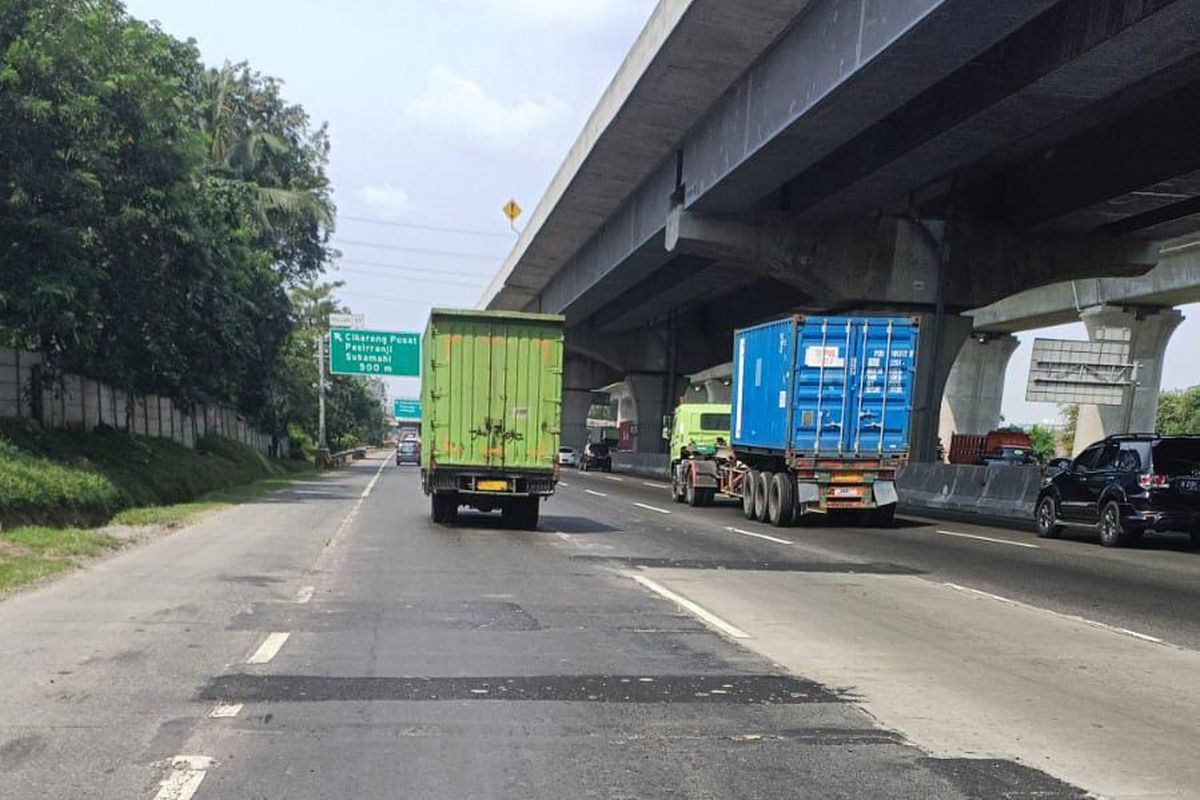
pixel 845 491
pixel 492 486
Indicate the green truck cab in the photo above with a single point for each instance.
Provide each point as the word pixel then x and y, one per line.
pixel 702 427
pixel 491 409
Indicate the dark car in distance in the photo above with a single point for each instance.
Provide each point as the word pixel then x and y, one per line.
pixel 408 452
pixel 595 456
pixel 1124 486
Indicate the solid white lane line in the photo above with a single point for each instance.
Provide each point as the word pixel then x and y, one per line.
pixel 707 616
pixel 989 539
pixel 597 494
pixel 225 711
pixel 185 777
pixel 305 594
pixel 615 478
pixel 1145 637
pixel 370 486
pixel 775 539
pixel 652 508
pixel 269 648
pixel 654 485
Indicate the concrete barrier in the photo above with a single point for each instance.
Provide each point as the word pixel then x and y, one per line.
pixel 998 492
pixel 646 465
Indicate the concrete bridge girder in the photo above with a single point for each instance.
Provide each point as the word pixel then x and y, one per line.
pixel 894 261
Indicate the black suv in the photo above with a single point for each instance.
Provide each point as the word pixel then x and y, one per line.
pixel 1125 486
pixel 596 456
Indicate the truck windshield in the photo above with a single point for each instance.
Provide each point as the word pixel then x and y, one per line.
pixel 714 422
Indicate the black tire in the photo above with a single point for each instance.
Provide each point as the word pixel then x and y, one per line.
pixel 882 516
pixel 710 495
pixel 444 508
pixel 695 495
pixel 762 495
pixel 749 490
pixel 781 501
pixel 522 512
pixel 677 493
pixel 1112 531
pixel 1046 518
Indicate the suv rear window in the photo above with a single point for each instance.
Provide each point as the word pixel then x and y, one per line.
pixel 1176 456
pixel 714 422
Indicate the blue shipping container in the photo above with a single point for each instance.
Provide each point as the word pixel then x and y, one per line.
pixel 829 386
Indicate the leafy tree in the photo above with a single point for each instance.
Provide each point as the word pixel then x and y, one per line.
pixel 1070 415
pixel 1044 444
pixel 154 213
pixel 1179 411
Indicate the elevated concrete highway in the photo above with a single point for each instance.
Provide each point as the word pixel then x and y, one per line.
pixel 933 156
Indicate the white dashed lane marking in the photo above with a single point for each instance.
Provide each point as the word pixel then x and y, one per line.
pixel 269 648
pixel 185 776
pixel 978 538
pixel 775 539
pixel 597 494
pixel 652 508
pixel 225 711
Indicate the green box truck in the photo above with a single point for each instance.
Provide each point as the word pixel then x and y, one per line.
pixel 491 409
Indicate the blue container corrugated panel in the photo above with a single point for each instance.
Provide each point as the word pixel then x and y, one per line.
pixel 825 385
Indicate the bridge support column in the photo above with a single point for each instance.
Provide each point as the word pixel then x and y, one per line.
pixel 652 398
pixel 941 340
pixel 975 389
pixel 1150 332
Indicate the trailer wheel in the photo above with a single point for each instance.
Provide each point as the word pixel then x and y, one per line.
pixel 762 493
pixel 709 495
pixel 749 488
pixel 781 502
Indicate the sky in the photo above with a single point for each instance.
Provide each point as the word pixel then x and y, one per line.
pixel 439 112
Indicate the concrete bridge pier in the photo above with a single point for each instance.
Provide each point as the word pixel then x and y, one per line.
pixel 942 338
pixel 1150 331
pixel 975 389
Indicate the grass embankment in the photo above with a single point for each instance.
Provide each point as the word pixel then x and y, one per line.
pixel 53 484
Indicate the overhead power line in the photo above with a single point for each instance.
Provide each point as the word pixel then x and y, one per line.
pixel 434 228
pixel 421 250
pixel 405 300
pixel 415 279
pixel 410 268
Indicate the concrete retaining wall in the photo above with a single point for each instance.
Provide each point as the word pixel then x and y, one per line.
pixel 1002 492
pixel 646 465
pixel 85 404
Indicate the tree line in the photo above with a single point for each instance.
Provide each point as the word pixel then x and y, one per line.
pixel 163 224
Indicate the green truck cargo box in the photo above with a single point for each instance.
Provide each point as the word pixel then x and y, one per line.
pixel 491 408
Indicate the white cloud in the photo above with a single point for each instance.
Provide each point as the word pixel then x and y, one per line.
pixel 457 105
pixel 385 200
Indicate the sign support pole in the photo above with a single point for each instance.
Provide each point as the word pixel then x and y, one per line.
pixel 321 393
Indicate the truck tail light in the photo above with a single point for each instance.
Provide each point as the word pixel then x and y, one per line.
pixel 1154 481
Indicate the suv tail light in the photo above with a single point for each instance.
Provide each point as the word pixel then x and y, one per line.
pixel 1154 481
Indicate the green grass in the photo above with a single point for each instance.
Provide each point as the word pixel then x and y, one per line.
pixel 83 479
pixel 183 513
pixel 33 552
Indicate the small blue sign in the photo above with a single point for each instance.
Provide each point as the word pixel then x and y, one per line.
pixel 407 409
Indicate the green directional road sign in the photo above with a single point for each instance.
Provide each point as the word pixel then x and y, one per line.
pixel 407 409
pixel 376 353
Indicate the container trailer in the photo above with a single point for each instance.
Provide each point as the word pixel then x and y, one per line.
pixel 820 420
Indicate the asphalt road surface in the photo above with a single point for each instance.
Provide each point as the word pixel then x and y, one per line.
pixel 330 642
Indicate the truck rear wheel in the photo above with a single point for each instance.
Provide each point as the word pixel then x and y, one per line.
pixel 749 487
pixel 781 502
pixel 522 512
pixel 443 508
pixel 762 494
